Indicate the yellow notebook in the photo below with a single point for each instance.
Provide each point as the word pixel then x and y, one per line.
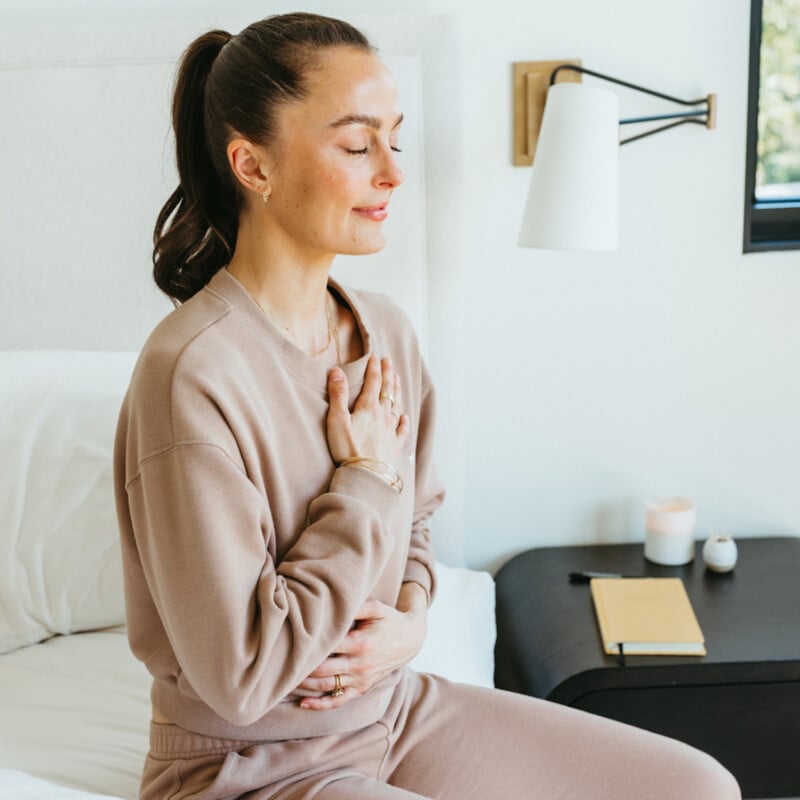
pixel 647 616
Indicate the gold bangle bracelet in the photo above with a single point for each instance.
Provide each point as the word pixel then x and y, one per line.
pixel 385 471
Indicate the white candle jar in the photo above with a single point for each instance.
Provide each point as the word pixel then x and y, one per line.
pixel 669 533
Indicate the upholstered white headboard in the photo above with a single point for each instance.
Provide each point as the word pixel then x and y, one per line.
pixel 86 155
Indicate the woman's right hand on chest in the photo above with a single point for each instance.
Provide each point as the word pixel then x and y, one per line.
pixel 376 428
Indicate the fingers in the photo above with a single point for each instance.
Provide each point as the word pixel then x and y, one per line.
pixel 389 385
pixel 375 428
pixel 372 383
pixel 334 692
pixel 337 691
pixel 325 684
pixel 398 393
pixel 328 668
pixel 382 639
pixel 381 387
pixel 403 428
pixel 338 391
pixel 328 701
pixel 391 398
pixel 339 428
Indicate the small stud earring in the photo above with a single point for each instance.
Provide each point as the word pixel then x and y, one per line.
pixel 265 195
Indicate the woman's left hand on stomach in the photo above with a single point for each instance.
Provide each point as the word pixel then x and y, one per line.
pixel 382 639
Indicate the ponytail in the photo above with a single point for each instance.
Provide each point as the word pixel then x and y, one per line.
pixel 196 229
pixel 230 85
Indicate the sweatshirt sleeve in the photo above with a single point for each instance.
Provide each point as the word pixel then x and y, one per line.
pixel 244 630
pixel 429 495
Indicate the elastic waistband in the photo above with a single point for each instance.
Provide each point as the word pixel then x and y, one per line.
pixel 171 741
pixel 285 721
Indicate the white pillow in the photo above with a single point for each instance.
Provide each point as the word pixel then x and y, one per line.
pixel 461 628
pixel 60 568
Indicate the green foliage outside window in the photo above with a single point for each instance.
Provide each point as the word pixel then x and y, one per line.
pixel 778 171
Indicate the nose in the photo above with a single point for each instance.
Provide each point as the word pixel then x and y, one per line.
pixel 389 174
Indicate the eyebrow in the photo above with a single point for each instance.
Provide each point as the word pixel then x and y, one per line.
pixel 362 119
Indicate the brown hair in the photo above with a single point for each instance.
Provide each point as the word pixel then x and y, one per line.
pixel 229 85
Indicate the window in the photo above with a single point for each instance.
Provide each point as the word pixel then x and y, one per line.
pixel 772 181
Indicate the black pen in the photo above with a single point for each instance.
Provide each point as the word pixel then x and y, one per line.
pixel 585 577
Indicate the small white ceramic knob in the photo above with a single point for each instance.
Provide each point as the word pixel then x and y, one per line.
pixel 720 553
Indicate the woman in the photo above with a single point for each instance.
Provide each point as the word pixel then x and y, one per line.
pixel 274 478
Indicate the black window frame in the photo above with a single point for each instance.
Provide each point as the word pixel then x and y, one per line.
pixel 768 224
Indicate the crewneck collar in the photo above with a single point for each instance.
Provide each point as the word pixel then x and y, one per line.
pixel 305 368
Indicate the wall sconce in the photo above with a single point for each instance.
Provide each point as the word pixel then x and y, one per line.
pixel 573 199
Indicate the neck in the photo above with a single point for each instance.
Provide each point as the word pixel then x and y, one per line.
pixel 289 286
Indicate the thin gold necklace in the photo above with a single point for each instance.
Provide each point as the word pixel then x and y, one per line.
pixel 333 331
pixel 332 327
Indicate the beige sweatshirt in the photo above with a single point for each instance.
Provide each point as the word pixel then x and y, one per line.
pixel 246 552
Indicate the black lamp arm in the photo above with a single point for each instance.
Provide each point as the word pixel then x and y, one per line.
pixel 662 128
pixel 709 112
pixel 583 70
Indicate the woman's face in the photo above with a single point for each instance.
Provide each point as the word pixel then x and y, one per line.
pixel 333 167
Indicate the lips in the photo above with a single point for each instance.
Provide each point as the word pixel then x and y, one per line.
pixel 376 213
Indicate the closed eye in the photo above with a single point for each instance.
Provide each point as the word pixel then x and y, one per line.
pixel 365 150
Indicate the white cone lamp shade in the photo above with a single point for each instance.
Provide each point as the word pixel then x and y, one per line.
pixel 573 195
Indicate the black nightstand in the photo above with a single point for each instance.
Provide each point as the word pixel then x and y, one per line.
pixel 740 703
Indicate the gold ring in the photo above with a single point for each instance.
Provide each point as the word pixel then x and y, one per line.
pixel 338 690
pixel 386 396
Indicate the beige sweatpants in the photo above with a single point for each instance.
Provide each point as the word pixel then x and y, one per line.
pixel 444 741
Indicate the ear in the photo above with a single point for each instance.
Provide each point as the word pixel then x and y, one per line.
pixel 249 164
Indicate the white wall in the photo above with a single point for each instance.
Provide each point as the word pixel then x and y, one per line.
pixel 666 368
pixel 594 381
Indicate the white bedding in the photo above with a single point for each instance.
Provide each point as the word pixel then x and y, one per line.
pixel 16 785
pixel 75 710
